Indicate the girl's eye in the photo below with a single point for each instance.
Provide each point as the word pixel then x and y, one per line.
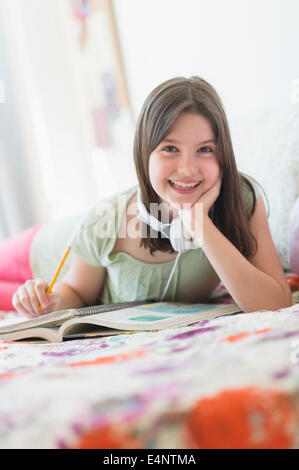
pixel 206 148
pixel 169 148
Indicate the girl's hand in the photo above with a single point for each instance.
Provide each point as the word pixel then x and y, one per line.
pixel 209 197
pixel 192 219
pixel 31 295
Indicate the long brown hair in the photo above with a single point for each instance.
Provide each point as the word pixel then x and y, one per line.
pixel 158 114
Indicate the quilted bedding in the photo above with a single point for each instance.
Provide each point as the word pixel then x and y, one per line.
pixel 229 382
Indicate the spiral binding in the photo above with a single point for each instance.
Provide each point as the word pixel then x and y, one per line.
pixel 85 311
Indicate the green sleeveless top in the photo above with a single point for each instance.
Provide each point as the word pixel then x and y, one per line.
pixel 126 277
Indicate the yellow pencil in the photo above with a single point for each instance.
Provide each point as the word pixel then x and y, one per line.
pixel 57 273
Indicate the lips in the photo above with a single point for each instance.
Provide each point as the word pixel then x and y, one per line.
pixel 184 190
pixel 185 183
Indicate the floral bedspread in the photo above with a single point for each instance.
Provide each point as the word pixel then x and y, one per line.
pixel 229 382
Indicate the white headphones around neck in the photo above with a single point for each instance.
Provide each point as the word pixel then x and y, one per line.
pixel 174 231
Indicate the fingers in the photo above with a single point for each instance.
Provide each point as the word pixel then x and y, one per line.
pixel 33 299
pixel 30 296
pixel 22 303
pixel 40 289
pixel 18 305
pixel 24 296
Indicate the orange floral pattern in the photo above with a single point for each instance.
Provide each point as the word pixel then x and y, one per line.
pixel 109 359
pixel 108 437
pixel 233 338
pixel 246 418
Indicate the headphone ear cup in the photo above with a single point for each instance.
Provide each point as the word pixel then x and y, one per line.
pixel 176 230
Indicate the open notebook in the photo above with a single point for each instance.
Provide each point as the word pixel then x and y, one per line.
pixel 111 319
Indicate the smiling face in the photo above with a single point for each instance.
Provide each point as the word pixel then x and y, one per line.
pixel 184 165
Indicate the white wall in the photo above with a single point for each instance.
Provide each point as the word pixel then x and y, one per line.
pixel 67 171
pixel 247 49
pixel 57 136
pixel 17 207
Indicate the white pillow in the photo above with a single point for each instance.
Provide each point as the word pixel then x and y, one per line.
pixel 267 148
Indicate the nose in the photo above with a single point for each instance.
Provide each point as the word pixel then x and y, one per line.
pixel 188 165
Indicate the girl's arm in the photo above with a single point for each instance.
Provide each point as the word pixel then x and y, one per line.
pixel 81 285
pixel 258 284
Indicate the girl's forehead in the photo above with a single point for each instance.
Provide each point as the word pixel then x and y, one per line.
pixel 191 123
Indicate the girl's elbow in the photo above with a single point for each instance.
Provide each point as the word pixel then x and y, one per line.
pixel 288 297
pixel 284 302
pixel 289 301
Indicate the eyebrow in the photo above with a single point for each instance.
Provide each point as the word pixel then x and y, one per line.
pixel 173 141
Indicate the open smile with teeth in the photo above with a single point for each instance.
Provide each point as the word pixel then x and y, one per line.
pixel 180 185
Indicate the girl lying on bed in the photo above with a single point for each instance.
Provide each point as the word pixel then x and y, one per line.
pixel 184 160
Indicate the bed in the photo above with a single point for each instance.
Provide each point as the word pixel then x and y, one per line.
pixel 229 382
